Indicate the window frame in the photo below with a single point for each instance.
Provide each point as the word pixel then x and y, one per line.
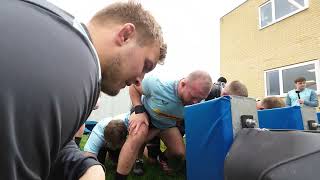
pixel 266 84
pixel 306 6
pixel 282 94
pixel 272 7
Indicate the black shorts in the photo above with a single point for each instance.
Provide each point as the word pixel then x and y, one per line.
pixel 113 155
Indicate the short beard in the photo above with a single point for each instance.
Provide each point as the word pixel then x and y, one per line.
pixel 109 91
pixel 111 77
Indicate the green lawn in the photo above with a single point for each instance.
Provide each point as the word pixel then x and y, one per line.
pixel 152 172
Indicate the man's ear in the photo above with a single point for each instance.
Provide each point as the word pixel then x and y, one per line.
pixel 183 82
pixel 125 34
pixel 223 92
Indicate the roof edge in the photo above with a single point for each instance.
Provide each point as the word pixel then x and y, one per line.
pixel 228 12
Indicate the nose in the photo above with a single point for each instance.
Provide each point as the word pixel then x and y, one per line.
pixel 137 83
pixel 195 101
pixel 138 80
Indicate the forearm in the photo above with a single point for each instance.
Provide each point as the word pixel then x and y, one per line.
pixel 313 100
pixel 71 163
pixel 311 103
pixel 94 172
pixel 135 95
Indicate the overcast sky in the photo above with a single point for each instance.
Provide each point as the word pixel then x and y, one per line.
pixel 190 27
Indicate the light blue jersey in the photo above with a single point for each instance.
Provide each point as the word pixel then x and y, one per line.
pixel 96 139
pixel 161 100
pixel 308 95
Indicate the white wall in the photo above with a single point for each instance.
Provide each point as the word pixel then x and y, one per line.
pixel 112 106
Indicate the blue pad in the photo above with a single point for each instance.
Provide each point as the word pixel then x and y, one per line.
pixel 89 125
pixel 281 118
pixel 209 136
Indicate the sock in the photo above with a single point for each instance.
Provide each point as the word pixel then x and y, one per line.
pixel 162 157
pixel 120 176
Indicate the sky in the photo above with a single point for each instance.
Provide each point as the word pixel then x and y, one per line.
pixel 191 29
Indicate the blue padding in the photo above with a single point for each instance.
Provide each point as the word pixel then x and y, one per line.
pixel 89 125
pixel 281 118
pixel 209 136
pixel 318 116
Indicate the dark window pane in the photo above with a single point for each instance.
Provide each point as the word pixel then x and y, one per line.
pixel 273 86
pixel 289 75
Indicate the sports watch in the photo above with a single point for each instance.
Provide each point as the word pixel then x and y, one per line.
pixel 139 109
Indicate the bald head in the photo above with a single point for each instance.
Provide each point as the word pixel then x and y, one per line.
pixel 235 88
pixel 195 87
pixel 200 76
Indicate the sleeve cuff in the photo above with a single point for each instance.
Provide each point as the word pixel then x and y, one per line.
pixel 87 163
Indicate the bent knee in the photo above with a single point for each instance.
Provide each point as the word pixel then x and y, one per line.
pixel 143 131
pixel 179 153
pixel 141 134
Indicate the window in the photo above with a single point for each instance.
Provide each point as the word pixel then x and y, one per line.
pixel 289 75
pixel 273 87
pixel 275 10
pixel 281 80
pixel 266 14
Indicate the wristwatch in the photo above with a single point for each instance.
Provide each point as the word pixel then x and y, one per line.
pixel 139 109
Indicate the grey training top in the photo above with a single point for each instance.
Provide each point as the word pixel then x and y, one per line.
pixel 48 86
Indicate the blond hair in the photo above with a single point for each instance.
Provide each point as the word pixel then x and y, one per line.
pixel 272 102
pixel 236 88
pixel 149 31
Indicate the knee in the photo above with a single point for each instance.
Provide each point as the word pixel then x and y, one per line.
pixel 180 153
pixel 141 135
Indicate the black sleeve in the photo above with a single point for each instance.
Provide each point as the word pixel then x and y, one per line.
pixel 71 164
pixel 60 87
pixel 214 93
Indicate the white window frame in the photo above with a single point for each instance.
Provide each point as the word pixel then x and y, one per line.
pixel 274 20
pixel 282 94
pixel 272 7
pixel 265 83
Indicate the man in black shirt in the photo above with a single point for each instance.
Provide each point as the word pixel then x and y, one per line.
pixel 51 71
pixel 216 88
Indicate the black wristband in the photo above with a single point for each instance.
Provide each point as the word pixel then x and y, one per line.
pixel 139 109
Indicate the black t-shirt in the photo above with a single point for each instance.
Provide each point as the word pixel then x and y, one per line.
pixel 48 86
pixel 215 91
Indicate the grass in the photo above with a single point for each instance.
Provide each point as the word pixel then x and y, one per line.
pixel 152 171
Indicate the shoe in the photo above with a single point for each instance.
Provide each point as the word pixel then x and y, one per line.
pixel 138 167
pixel 165 167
